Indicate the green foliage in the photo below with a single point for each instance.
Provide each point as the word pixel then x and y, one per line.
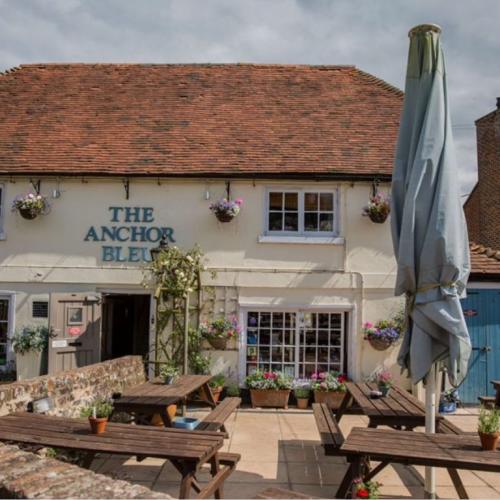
pixel 217 381
pixel 30 339
pixel 220 328
pixel 489 421
pixel 302 392
pixel 169 370
pixel 233 390
pixel 103 409
pixel 268 381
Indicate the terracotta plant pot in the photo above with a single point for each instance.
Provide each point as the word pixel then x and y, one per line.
pixel 224 216
pixel 331 398
pixel 28 213
pixel 379 344
pixel 216 392
pixel 270 398
pixel 489 441
pixel 377 217
pixel 218 343
pixel 156 419
pixel 98 425
pixel 302 403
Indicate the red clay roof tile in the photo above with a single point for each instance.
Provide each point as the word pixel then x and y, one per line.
pixel 197 119
pixel 484 260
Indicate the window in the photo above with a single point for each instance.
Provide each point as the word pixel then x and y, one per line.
pixel 297 343
pixel 301 212
pixel 40 309
pixel 4 329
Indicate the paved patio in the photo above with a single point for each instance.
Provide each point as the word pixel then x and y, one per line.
pixel 281 448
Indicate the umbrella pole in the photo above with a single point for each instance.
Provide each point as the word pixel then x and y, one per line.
pixel 430 428
pixel 186 346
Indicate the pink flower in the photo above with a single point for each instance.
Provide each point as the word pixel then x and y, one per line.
pixel 323 375
pixel 368 324
pixel 314 376
pixel 238 201
pixel 323 385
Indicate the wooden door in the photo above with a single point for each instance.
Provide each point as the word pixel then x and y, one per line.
pixel 75 324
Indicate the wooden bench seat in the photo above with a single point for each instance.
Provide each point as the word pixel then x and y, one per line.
pixel 487 401
pixel 330 433
pixel 215 420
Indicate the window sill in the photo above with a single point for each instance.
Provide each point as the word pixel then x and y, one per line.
pixel 301 240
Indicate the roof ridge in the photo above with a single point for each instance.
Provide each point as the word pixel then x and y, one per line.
pixel 482 249
pixel 379 81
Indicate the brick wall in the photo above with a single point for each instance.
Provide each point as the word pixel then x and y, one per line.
pixel 73 389
pixel 482 209
pixel 26 475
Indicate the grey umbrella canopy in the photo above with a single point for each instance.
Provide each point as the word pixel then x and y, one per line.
pixel 428 224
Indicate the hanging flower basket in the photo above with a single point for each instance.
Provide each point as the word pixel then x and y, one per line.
pixel 378 217
pixel 218 343
pixel 30 206
pixel 380 344
pixel 218 331
pixel 225 209
pixel 379 206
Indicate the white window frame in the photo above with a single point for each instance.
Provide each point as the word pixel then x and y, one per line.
pixel 301 233
pixel 2 211
pixel 11 297
pixel 349 343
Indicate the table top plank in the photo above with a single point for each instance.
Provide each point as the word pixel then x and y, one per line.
pixel 124 439
pixel 440 450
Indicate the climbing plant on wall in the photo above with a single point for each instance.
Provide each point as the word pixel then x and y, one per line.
pixel 175 276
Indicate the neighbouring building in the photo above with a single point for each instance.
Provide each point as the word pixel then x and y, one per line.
pixel 482 306
pixel 126 153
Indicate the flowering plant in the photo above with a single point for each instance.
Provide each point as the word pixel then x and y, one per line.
pixel 221 328
pixel 226 208
pixel 388 331
pixel 367 489
pixel 328 381
pixel 301 387
pixel 34 203
pixel 384 378
pixel 378 206
pixel 31 339
pixel 273 381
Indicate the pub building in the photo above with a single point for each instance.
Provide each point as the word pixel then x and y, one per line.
pixel 127 154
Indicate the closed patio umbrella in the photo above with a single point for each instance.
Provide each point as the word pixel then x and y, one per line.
pixel 428 226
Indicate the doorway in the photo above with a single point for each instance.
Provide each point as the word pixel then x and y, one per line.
pixel 125 325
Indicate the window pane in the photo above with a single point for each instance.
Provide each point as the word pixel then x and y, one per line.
pixel 323 320
pixel 291 221
pixel 322 337
pixel 253 318
pixel 265 320
pixel 3 332
pixel 275 221
pixel 276 354
pixel 311 221
pixel 326 202
pixel 264 354
pixel 3 354
pixel 4 310
pixel 326 222
pixel 278 320
pixel 265 337
pixel 291 201
pixel 311 201
pixel 275 201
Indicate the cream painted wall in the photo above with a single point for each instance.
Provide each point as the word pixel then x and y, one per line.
pixel 48 254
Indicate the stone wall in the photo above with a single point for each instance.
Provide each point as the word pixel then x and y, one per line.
pixel 73 389
pixel 26 475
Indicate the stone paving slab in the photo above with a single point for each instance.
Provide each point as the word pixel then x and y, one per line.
pixel 282 448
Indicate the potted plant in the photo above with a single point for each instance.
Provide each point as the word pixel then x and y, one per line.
pixel 30 205
pixel 169 373
pixel 269 389
pixel 217 385
pixel 226 210
pixel 448 401
pixel 98 413
pixel 233 390
pixel 384 381
pixel 329 388
pixel 378 208
pixel 302 392
pixel 385 332
pixel 219 331
pixel 30 345
pixel 489 428
pixel 366 489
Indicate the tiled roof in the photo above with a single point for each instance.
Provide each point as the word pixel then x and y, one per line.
pixel 484 260
pixel 197 119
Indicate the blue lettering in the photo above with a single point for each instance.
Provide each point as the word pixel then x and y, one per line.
pixel 108 254
pixel 118 253
pixel 132 214
pixel 168 232
pixel 149 233
pixel 138 233
pixel 108 233
pixel 91 235
pixel 114 211
pixel 146 255
pixel 133 254
pixel 119 232
pixel 147 214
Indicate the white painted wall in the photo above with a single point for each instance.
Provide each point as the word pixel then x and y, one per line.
pixel 48 254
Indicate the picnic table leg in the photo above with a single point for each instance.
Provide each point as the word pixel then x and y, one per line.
pixel 188 478
pixel 343 405
pixel 356 471
pixel 214 469
pixel 167 421
pixel 457 482
pixel 344 485
pixel 208 395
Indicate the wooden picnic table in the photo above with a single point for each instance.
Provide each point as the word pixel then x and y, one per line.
pixel 399 409
pixel 450 451
pixel 187 450
pixel 154 396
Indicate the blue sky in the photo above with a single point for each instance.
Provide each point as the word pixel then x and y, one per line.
pixel 371 34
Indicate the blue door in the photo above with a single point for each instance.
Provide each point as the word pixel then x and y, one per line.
pixel 482 314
